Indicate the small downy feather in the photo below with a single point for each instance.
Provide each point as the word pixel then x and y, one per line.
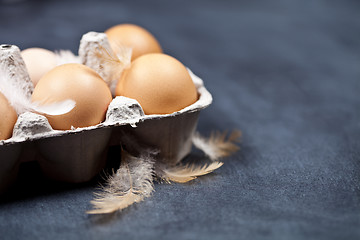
pixel 114 63
pixel 53 109
pixel 14 93
pixel 184 173
pixel 66 56
pixel 131 183
pixel 218 145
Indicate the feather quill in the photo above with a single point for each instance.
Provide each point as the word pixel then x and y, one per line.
pixel 185 173
pixel 14 92
pixel 131 183
pixel 218 145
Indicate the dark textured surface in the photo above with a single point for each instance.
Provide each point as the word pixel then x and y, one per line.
pixel 286 73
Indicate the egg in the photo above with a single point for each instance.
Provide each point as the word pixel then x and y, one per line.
pixel 160 83
pixel 79 83
pixel 8 118
pixel 139 39
pixel 38 62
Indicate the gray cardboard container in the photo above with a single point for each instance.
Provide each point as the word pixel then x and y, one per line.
pixel 79 154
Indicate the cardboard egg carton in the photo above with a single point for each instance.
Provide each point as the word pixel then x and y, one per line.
pixel 77 155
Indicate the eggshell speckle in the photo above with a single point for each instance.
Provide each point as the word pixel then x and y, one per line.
pixel 79 83
pixel 8 118
pixel 159 82
pixel 140 40
pixel 38 62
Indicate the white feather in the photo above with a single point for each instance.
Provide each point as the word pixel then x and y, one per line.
pixel 57 108
pixel 15 94
pixel 66 56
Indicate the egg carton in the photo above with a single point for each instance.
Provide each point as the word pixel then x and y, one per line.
pixel 79 154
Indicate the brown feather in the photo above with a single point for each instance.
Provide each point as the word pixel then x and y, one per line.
pixel 131 183
pixel 218 145
pixel 185 173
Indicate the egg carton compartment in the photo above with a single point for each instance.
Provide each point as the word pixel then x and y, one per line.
pixel 79 154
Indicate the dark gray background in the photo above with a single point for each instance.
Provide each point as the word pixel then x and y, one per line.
pixel 284 72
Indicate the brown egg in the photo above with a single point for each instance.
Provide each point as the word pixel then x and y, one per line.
pixel 159 82
pixel 8 118
pixel 140 40
pixel 38 62
pixel 79 83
